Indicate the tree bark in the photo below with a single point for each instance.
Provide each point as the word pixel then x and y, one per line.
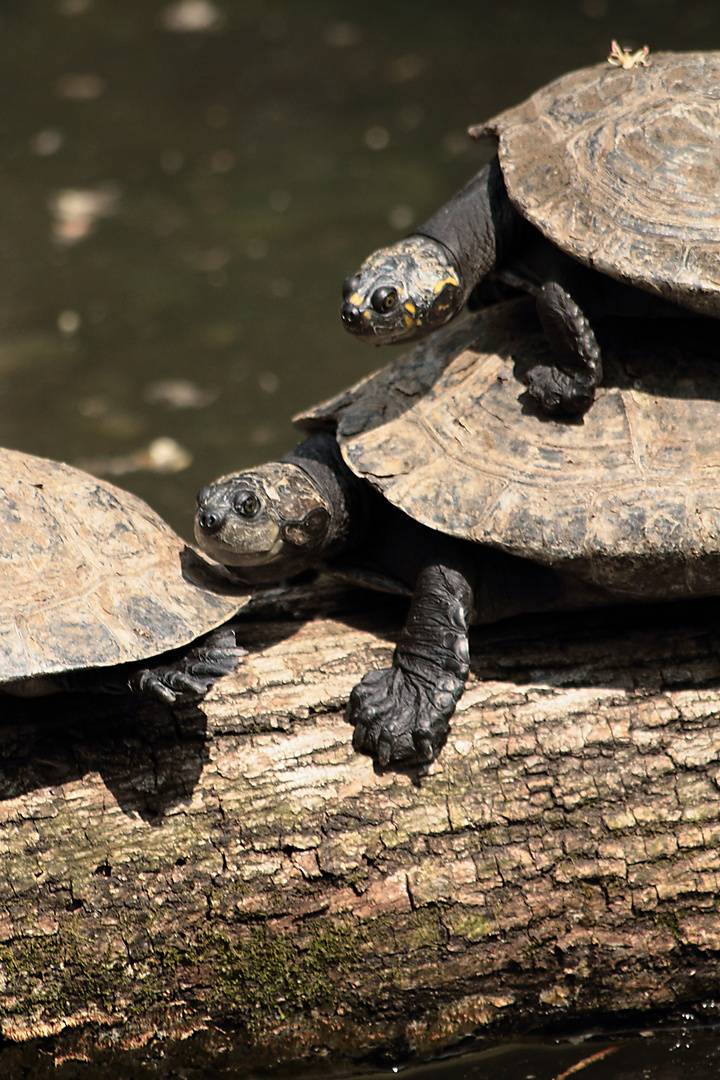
pixel 236 874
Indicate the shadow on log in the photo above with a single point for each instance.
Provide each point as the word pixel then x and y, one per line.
pixel 231 882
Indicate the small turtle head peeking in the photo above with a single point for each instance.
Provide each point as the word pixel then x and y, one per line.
pixel 402 292
pixel 265 524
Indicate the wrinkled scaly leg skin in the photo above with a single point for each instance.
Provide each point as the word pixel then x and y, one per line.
pixel 193 673
pixel 402 713
pixel 568 388
pixel 179 676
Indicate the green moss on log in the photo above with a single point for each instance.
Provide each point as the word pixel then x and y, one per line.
pixel 264 976
pixel 54 974
pixel 256 976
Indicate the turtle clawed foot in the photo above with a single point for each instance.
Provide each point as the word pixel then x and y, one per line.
pixel 397 718
pixel 558 393
pixel 192 674
pixel 566 388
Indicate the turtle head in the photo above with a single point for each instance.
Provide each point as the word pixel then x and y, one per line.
pixel 264 524
pixel 402 292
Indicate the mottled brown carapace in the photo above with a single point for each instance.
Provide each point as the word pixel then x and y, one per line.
pixel 90 575
pixel 620 169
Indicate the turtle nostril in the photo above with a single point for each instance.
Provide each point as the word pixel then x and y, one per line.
pixel 210 520
pixel 350 315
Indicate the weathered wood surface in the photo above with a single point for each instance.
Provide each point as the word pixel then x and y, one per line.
pixel 235 873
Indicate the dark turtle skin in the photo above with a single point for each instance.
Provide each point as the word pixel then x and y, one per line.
pixel 440 475
pixel 602 201
pixel 97 593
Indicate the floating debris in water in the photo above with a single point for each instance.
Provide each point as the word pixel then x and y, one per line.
pixel 191 17
pixel 377 138
pixel 166 455
pixel 212 260
pixel 585 1062
pixel 268 381
pixel 178 394
pixel 47 142
pixel 163 455
pixel 69 322
pixel 80 87
pixel 76 211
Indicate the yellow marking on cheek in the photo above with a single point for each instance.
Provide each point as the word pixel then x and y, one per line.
pixel 409 321
pixel 409 307
pixel 356 299
pixel 440 285
pixel 367 314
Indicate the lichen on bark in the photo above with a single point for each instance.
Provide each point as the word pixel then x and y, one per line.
pixel 233 874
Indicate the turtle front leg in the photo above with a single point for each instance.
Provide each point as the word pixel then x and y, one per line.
pixel 189 675
pixel 568 387
pixel 402 713
pixel 181 675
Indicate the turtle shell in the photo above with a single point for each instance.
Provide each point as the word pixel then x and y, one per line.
pixel 621 169
pixel 90 576
pixel 628 497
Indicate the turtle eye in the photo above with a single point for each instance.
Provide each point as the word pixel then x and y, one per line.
pixel 247 504
pixel 350 286
pixel 384 299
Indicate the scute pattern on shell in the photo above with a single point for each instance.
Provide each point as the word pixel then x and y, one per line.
pixel 447 434
pixel 621 169
pixel 90 575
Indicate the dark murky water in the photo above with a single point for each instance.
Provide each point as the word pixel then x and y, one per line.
pixel 670 1056
pixel 675 1054
pixel 179 207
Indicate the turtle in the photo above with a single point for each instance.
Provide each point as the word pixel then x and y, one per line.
pixel 439 476
pixel 602 199
pixel 98 593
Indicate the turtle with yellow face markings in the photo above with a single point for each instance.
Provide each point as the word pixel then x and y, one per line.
pixel 401 292
pixel 602 200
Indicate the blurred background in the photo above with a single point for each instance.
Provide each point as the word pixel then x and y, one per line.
pixel 184 187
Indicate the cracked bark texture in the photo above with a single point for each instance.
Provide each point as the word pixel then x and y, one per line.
pixel 232 882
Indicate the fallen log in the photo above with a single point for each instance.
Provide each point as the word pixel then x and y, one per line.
pixel 232 879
